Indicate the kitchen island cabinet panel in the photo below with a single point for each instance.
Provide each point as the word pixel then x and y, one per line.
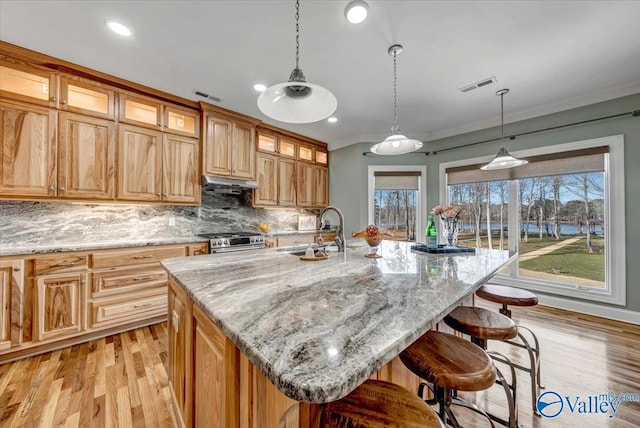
pixel 86 152
pixel 27 150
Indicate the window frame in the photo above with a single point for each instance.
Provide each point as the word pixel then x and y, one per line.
pixel 615 246
pixel 421 200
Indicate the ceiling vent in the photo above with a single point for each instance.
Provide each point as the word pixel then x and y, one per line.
pixel 205 95
pixel 480 84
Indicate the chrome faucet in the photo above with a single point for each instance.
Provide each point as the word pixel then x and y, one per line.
pixel 340 241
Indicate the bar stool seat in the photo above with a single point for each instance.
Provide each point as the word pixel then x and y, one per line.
pixel 483 325
pixel 374 404
pixel 507 296
pixel 518 297
pixel 451 364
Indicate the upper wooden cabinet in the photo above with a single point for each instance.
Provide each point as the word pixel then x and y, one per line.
pixel 86 150
pixel 139 164
pixel 180 176
pixel 229 147
pixel 181 121
pixel 291 171
pixel 22 82
pixel 139 110
pixel 27 150
pixel 85 97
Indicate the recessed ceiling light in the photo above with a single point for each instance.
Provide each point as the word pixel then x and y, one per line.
pixel 118 28
pixel 356 11
pixel 260 87
pixel 332 119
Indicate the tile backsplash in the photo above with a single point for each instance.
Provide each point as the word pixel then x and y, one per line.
pixel 60 223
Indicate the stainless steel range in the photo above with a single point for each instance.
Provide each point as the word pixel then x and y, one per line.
pixel 224 242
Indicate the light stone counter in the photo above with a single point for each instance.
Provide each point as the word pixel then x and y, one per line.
pixel 15 250
pixel 319 329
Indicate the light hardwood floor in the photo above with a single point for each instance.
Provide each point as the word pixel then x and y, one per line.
pixel 121 380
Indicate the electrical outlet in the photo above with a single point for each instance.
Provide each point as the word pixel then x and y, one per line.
pixel 172 221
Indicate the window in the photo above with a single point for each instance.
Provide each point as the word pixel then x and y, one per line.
pixel 397 200
pixel 565 218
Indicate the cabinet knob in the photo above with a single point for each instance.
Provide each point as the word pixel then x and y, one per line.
pixel 16 269
pixel 164 195
pixel 62 189
pixel 63 102
pixel 53 99
pixel 157 194
pixel 51 188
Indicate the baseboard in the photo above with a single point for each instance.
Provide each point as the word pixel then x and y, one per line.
pixel 590 308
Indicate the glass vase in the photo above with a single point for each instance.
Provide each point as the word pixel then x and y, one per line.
pixel 374 244
pixel 450 232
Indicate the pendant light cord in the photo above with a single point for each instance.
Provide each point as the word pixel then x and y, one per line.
pixel 297 32
pixel 502 118
pixel 396 128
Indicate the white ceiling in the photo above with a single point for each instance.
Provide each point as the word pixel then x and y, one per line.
pixel 553 55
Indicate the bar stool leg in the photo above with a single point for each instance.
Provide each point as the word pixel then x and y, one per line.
pixel 510 390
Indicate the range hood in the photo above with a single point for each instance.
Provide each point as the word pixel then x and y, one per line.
pixel 229 186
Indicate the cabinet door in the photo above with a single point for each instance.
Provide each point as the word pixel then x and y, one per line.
pixel 86 149
pixel 140 110
pixel 243 151
pixel 85 97
pixel 59 305
pixel 24 83
pixel 305 152
pixel 217 142
pixel 267 177
pixel 321 197
pixel 267 143
pixel 306 184
pixel 215 380
pixel 287 182
pixel 182 121
pixel 11 302
pixel 139 164
pixel 181 181
pixel 180 357
pixel 27 150
pixel 322 157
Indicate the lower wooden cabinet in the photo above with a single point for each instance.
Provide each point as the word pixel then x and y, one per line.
pixel 72 296
pixel 59 305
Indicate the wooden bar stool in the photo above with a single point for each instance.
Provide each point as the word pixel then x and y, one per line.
pixel 450 364
pixel 483 325
pixel 519 297
pixel 374 404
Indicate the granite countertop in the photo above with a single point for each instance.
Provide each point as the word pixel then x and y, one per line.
pixel 319 329
pixel 273 233
pixel 99 245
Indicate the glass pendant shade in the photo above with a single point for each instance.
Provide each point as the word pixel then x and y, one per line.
pixel 503 160
pixel 396 144
pixel 297 102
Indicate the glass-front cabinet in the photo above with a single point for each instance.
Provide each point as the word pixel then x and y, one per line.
pixel 92 99
pixel 140 111
pixel 23 83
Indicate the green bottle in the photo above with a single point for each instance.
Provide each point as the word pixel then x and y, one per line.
pixel 431 234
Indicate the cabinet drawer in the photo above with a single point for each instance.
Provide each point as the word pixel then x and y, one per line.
pixel 197 249
pixel 117 281
pixel 289 241
pixel 129 308
pixel 60 264
pixel 133 257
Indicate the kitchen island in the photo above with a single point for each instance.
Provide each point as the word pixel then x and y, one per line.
pixel 252 333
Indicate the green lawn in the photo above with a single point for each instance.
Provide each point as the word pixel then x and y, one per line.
pixel 572 260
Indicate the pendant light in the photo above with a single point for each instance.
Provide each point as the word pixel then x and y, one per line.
pixel 503 159
pixel 297 101
pixel 395 143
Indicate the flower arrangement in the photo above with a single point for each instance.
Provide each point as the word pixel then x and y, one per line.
pixel 373 236
pixel 449 214
pixel 449 211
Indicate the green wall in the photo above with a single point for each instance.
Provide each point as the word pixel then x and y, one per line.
pixel 348 166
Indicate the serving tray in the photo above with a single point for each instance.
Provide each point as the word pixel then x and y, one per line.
pixel 313 259
pixel 442 250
